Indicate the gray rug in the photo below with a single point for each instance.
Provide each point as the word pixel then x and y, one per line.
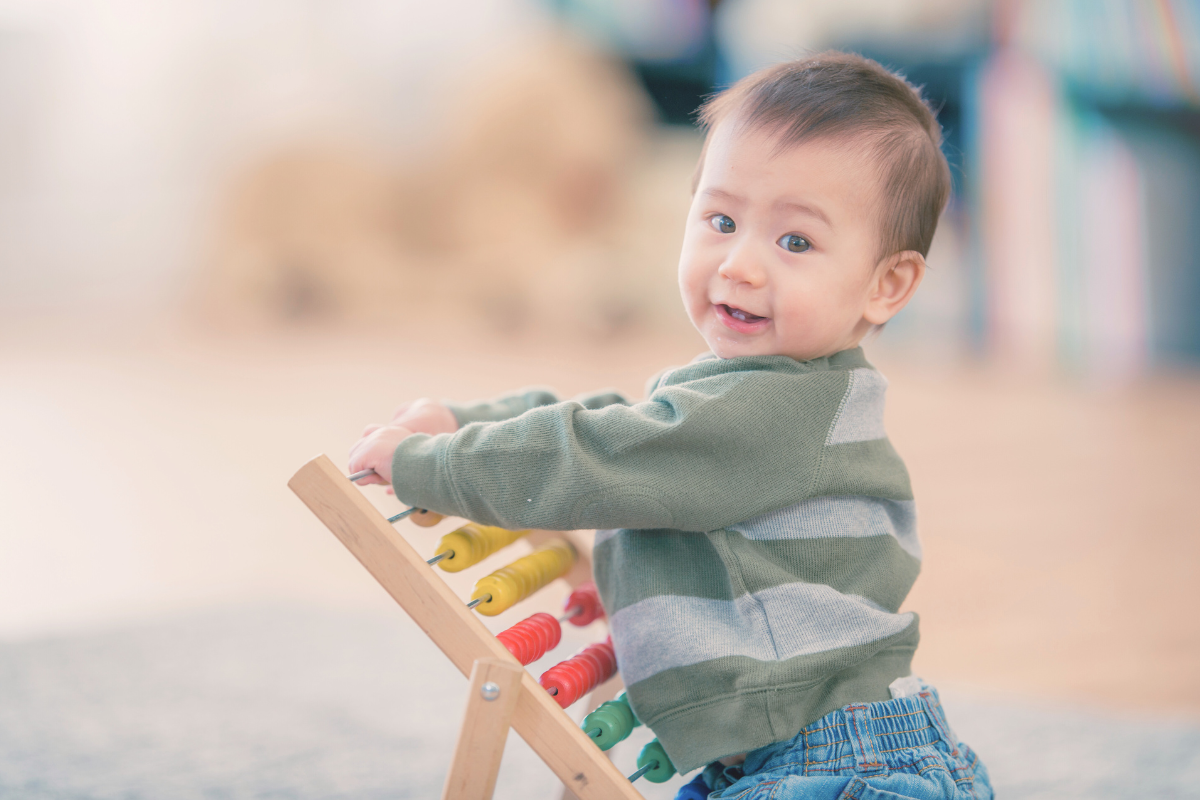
pixel 314 704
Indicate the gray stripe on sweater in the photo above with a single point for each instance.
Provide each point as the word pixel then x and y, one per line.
pixel 860 417
pixel 825 517
pixel 668 631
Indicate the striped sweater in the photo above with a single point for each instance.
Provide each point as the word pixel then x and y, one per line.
pixel 756 534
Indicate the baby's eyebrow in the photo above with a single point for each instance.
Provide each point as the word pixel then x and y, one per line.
pixel 794 205
pixel 721 194
pixel 804 208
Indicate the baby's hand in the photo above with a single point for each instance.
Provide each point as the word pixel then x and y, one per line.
pixel 374 451
pixel 378 443
pixel 425 415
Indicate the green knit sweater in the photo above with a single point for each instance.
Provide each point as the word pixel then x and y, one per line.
pixel 756 534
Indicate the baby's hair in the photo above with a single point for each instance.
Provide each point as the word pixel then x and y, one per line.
pixel 838 95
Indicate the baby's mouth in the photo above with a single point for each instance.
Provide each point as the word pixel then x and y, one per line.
pixel 739 314
pixel 741 320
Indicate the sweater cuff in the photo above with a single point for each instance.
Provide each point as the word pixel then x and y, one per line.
pixel 419 474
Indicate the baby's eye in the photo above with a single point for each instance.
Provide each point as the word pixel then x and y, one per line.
pixel 723 223
pixel 794 243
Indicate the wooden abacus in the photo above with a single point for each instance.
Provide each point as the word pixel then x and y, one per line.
pixel 502 692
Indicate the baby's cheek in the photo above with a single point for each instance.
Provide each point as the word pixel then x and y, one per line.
pixel 798 333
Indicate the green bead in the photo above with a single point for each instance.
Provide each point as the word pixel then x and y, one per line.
pixel 654 752
pixel 621 698
pixel 612 722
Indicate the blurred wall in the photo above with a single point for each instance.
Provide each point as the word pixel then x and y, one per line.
pixel 528 207
pixel 125 120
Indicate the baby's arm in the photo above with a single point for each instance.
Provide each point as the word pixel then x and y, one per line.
pixel 429 416
pixel 696 457
pixel 517 403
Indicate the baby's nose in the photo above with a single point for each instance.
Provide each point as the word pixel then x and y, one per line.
pixel 740 267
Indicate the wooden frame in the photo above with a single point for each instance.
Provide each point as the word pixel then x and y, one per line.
pixel 569 752
pixel 491 701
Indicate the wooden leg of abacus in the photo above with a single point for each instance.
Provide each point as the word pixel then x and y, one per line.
pixel 490 704
pixel 605 691
pixel 549 731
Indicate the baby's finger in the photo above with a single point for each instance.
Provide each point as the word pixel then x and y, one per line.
pixel 400 409
pixel 357 465
pixel 360 459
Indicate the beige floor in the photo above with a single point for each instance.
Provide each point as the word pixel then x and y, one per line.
pixel 143 471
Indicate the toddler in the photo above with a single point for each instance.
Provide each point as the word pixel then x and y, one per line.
pixel 756 532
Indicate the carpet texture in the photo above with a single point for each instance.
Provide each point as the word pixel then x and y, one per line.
pixel 318 704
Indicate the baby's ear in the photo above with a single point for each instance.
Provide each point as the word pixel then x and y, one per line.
pixel 896 278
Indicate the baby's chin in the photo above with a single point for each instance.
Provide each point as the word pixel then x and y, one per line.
pixel 725 347
pixel 725 343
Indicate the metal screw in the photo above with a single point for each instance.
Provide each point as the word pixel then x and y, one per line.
pixel 489 691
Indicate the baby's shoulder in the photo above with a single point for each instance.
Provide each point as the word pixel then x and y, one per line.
pixel 781 372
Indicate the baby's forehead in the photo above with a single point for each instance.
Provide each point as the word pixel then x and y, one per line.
pixel 773 143
pixel 762 162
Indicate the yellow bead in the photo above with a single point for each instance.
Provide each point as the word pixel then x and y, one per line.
pixel 512 584
pixel 503 595
pixel 473 543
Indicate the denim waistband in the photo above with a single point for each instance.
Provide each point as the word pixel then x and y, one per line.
pixel 869 734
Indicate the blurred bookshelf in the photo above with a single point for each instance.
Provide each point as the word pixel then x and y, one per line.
pixel 1074 140
pixel 1127 130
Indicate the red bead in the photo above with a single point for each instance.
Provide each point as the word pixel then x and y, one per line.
pixel 530 638
pixel 578 675
pixel 587 599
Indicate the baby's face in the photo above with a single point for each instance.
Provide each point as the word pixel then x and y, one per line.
pixel 780 249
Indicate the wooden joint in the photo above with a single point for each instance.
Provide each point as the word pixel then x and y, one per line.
pixel 491 700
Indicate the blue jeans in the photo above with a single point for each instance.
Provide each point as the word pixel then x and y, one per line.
pixel 901 748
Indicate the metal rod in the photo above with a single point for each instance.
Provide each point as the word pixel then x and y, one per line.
pixel 395 517
pixel 553 690
pixel 403 514
pixel 487 598
pixel 573 611
pixel 643 771
pixel 440 556
pixel 594 732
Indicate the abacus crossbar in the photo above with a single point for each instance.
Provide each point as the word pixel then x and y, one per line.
pixel 566 749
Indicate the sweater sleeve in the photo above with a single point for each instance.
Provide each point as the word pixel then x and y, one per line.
pixel 515 404
pixel 697 456
pixel 502 408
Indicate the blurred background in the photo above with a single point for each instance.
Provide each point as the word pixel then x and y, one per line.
pixel 234 233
